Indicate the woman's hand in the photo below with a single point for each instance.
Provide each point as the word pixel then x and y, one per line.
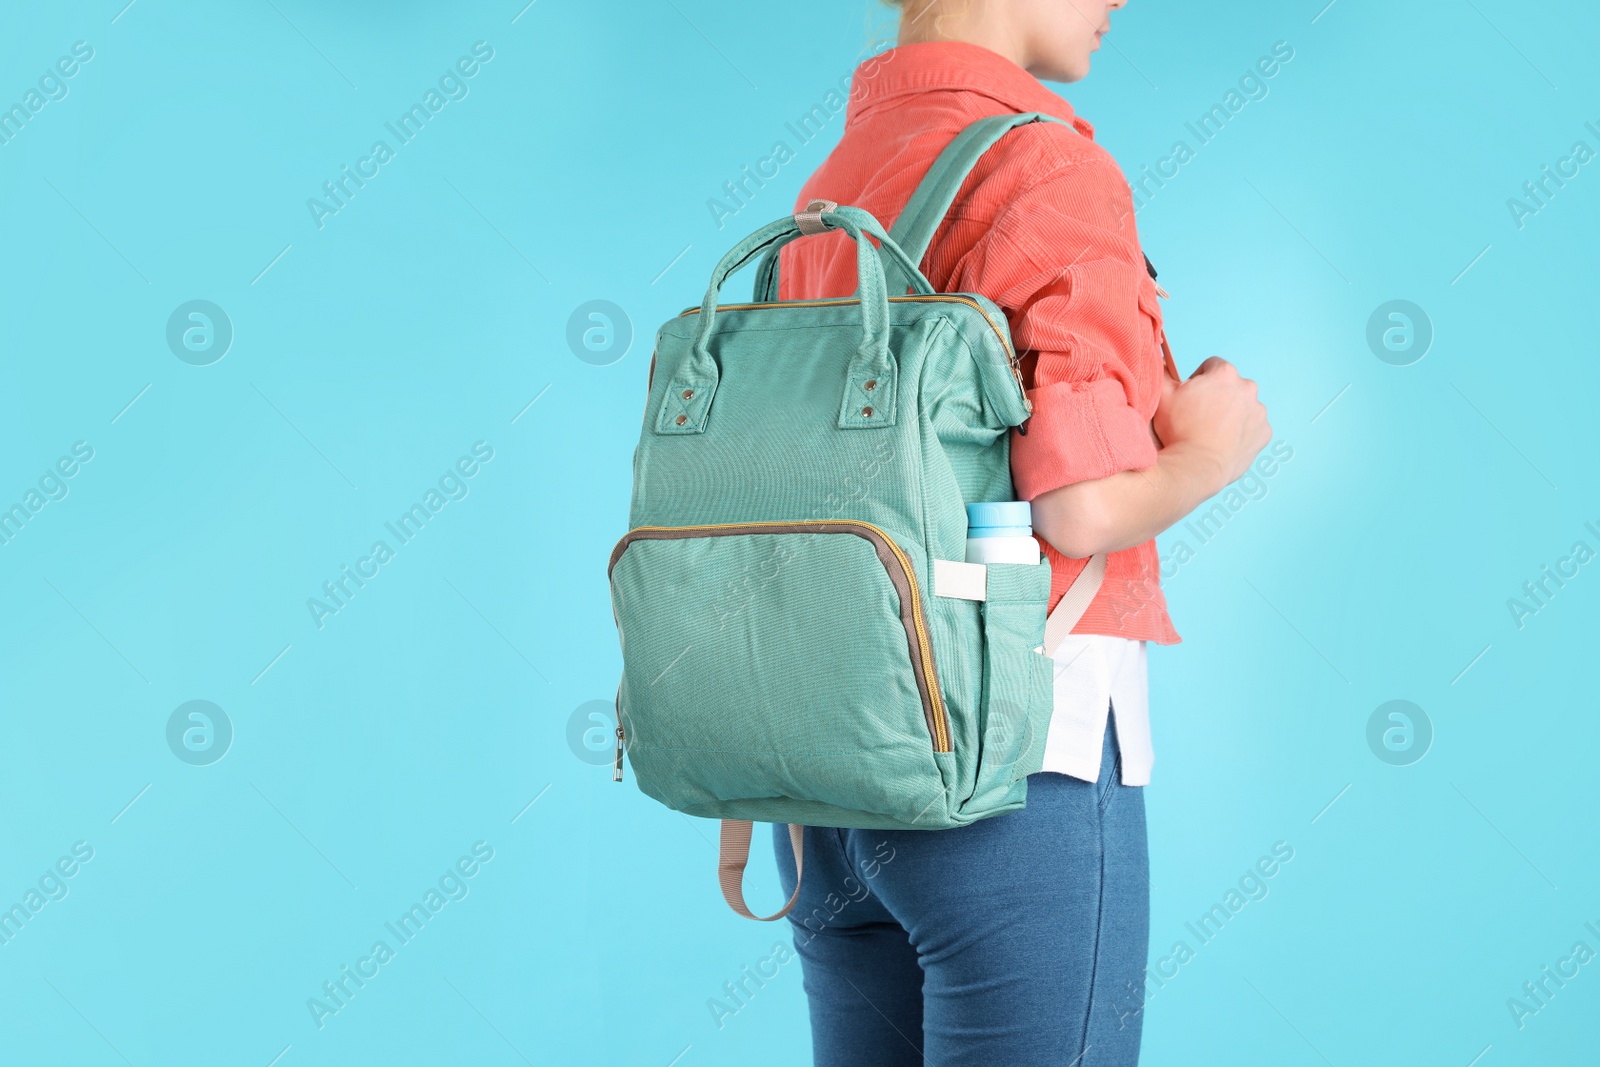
pixel 1211 428
pixel 1216 416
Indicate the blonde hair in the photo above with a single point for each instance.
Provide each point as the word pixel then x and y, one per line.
pixel 913 10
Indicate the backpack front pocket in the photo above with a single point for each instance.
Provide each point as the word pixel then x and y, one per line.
pixel 777 659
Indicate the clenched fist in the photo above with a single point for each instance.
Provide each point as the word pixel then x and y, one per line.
pixel 1216 415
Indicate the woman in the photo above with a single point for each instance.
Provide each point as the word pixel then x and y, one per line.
pixel 1022 939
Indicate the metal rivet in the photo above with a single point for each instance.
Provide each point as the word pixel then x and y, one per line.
pixel 867 411
pixel 870 384
pixel 682 419
pixel 687 393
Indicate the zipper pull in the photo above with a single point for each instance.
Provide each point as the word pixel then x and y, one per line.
pixel 1160 291
pixel 616 768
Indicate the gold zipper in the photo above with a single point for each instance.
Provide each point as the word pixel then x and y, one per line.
pixel 929 676
pixel 1005 340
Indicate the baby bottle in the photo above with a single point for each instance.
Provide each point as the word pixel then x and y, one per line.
pixel 1001 531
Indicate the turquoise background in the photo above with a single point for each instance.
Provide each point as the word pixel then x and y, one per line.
pixel 444 704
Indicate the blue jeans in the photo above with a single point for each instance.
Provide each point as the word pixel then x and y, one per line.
pixel 1018 940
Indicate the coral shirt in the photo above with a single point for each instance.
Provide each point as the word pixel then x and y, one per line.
pixel 1044 227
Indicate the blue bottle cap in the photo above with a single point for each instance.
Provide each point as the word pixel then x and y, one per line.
pixel 1000 513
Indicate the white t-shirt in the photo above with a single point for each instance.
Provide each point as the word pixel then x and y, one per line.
pixel 1095 673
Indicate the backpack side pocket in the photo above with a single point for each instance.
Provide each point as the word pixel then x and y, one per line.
pixel 1018 682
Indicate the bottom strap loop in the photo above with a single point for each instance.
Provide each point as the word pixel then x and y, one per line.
pixel 734 853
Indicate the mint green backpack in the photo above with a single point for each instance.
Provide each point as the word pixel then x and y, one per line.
pixel 802 639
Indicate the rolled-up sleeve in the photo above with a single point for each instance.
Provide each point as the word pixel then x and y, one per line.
pixel 1063 261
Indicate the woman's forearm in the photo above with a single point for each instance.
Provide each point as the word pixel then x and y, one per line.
pixel 1129 508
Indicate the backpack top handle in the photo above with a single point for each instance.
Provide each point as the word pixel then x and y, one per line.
pixel 686 404
pixel 869 268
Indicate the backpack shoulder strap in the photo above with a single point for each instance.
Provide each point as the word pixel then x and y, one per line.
pixel 915 227
pixel 1074 602
pixel 926 209
pixel 914 230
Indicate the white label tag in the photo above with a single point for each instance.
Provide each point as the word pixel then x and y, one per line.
pixel 963 581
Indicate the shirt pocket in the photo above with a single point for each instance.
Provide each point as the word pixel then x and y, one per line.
pixel 1150 305
pixel 1154 355
pixel 1150 309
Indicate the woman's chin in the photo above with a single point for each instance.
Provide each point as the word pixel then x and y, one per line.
pixel 1069 72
